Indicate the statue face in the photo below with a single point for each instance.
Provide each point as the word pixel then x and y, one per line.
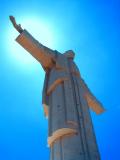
pixel 69 54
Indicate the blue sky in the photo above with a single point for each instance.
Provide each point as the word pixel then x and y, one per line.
pixel 92 30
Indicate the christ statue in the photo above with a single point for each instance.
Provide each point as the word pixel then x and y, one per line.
pixel 66 100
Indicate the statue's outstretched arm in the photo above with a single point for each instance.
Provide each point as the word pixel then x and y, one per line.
pixel 93 103
pixel 44 55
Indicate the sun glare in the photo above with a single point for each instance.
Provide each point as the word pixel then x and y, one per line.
pixel 38 29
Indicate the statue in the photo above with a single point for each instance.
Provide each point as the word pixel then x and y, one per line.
pixel 66 101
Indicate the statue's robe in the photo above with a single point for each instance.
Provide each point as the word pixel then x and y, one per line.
pixel 66 101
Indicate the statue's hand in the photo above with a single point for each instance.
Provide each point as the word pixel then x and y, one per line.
pixel 17 26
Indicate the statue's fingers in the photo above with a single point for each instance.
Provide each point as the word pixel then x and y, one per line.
pixel 12 19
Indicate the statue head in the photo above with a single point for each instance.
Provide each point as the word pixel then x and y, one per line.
pixel 69 54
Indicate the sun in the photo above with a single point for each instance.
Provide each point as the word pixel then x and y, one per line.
pixel 38 28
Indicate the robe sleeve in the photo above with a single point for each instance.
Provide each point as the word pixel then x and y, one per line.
pixel 41 53
pixel 93 103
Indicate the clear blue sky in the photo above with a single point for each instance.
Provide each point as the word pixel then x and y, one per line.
pixel 92 29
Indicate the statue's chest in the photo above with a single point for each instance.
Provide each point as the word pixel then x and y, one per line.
pixel 63 71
